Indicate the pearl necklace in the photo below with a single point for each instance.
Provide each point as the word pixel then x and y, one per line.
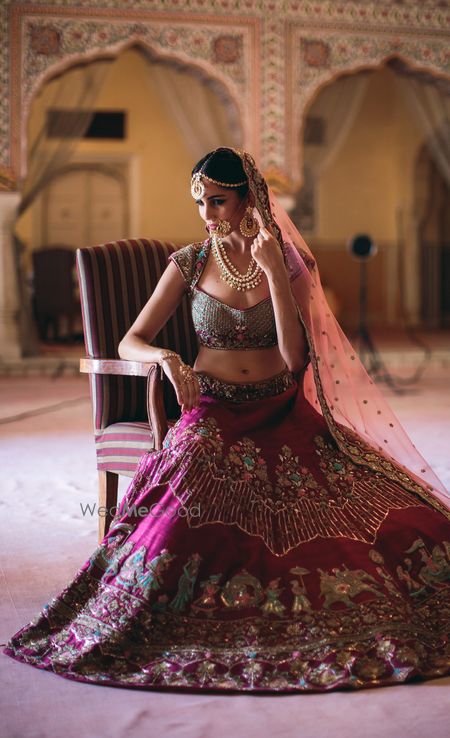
pixel 229 273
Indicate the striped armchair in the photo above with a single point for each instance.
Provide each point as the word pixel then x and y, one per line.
pixel 132 405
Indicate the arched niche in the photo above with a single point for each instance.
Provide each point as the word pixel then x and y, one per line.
pixel 308 81
pixel 217 91
pixel 391 217
pixel 223 87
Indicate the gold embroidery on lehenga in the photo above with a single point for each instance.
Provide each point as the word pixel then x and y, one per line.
pixel 343 585
pixel 111 548
pixel 186 583
pixel 207 602
pixel 140 577
pixel 435 564
pixel 357 449
pixel 388 580
pixel 242 590
pixel 235 488
pixel 272 605
pixel 300 602
pixel 359 634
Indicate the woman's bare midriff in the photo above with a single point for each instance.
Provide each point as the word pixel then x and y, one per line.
pixel 251 365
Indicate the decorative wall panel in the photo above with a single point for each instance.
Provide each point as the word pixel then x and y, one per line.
pixel 271 55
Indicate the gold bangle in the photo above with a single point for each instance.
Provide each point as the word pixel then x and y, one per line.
pixel 168 354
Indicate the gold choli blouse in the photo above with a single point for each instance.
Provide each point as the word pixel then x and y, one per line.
pixel 218 325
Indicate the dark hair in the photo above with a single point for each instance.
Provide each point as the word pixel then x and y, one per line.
pixel 224 165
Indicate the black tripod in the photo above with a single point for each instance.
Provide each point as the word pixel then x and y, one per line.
pixel 362 248
pixel 368 353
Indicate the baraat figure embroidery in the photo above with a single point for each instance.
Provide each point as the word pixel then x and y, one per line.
pixel 242 590
pixel 207 603
pixel 404 574
pixel 301 602
pixel 436 569
pixel 343 585
pixel 388 580
pixel 135 574
pixel 105 554
pixel 186 583
pixel 273 606
pixel 114 562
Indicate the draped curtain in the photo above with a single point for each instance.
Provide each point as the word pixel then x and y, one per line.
pixel 337 106
pixel 74 92
pixel 428 99
pixel 335 109
pixel 205 121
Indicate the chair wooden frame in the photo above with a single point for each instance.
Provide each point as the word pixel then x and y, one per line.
pixel 109 481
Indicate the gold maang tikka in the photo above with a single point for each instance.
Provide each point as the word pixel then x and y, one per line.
pixel 198 187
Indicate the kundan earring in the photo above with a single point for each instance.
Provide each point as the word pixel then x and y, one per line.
pixel 249 226
pixel 223 228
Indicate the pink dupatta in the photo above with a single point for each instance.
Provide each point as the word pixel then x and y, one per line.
pixel 336 382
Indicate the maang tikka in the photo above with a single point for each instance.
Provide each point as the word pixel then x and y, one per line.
pixel 249 226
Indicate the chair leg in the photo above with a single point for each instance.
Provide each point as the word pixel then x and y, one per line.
pixel 108 483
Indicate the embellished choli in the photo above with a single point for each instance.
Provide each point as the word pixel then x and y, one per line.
pixel 218 325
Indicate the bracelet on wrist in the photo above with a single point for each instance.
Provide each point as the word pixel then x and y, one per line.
pixel 168 354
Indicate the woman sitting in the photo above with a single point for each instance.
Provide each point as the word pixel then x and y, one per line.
pixel 288 536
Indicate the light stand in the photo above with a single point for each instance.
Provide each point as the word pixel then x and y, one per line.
pixel 362 248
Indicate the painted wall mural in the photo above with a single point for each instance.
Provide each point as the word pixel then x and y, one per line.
pixel 271 55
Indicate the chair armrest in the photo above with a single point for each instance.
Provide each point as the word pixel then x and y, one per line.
pixel 117 366
pixel 156 411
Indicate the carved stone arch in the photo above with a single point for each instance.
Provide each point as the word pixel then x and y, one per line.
pixel 222 86
pixel 329 56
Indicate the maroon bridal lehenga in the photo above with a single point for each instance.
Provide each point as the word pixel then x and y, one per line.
pixel 269 546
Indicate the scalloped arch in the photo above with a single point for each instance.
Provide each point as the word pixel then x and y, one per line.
pixel 328 77
pixel 203 70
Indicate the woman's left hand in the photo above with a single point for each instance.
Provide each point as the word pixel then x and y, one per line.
pixel 266 251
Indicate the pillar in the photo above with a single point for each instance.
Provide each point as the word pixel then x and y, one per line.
pixel 10 345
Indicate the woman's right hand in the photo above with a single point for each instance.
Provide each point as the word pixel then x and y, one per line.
pixel 187 392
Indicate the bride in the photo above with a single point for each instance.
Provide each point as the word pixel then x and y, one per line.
pixel 288 536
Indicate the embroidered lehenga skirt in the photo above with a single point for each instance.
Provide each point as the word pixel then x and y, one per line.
pixel 251 554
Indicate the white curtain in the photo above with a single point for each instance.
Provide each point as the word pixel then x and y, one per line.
pixel 337 106
pixel 429 103
pixel 73 92
pixel 205 117
pixel 428 99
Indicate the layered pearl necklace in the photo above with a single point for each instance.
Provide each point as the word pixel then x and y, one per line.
pixel 229 273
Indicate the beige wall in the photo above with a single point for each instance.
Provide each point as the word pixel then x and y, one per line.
pixel 366 188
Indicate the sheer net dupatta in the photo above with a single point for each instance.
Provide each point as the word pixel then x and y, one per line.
pixel 336 382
